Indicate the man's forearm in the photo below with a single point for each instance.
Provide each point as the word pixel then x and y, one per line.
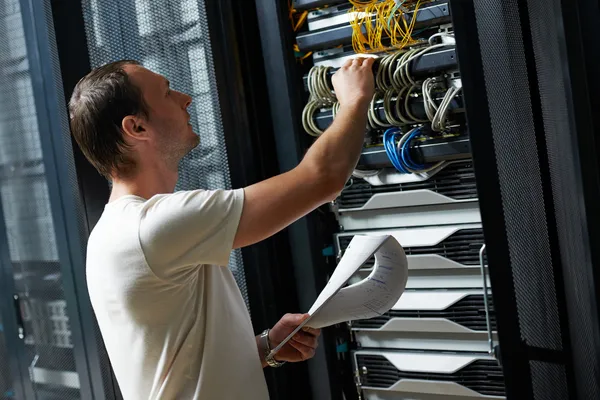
pixel 337 151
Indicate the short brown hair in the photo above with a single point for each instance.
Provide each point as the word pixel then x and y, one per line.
pixel 97 107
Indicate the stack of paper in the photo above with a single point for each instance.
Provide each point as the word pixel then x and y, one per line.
pixel 373 296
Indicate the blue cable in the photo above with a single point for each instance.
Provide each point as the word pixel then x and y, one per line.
pixel 389 144
pixel 393 13
pixel 405 152
pixel 401 158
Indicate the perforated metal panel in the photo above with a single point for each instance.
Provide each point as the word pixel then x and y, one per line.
pixel 468 312
pixel 456 181
pixel 481 376
pixel 553 95
pixel 519 172
pixel 546 375
pixel 29 226
pixel 170 38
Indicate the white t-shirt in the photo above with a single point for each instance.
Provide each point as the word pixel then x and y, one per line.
pixel 172 317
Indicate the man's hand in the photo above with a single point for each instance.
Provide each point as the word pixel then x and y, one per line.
pixel 301 346
pixel 354 84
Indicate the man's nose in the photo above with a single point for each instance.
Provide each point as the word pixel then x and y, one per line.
pixel 188 100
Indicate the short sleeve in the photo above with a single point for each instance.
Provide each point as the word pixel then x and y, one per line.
pixel 182 230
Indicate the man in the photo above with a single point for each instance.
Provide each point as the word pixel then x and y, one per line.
pixel 171 315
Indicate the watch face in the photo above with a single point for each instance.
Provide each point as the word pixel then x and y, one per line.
pixel 274 363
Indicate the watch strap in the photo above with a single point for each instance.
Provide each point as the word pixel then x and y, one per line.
pixel 270 360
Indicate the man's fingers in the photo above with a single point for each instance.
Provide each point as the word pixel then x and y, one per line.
pixel 306 352
pixel 368 62
pixel 306 339
pixel 357 62
pixel 348 63
pixel 293 319
pixel 312 331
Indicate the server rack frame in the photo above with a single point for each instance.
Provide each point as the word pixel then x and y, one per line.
pixel 285 93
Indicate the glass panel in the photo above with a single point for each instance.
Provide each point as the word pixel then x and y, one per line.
pixel 29 224
pixel 170 38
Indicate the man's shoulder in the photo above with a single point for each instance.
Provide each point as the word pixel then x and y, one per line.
pixel 205 202
pixel 116 221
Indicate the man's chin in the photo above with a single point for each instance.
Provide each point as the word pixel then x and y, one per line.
pixel 194 142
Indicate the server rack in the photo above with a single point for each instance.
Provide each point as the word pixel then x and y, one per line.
pixel 516 82
pixel 445 314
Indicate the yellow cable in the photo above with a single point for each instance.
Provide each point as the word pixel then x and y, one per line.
pixel 301 21
pixel 382 12
pixel 369 27
pixel 385 13
pixel 304 57
pixel 359 3
pixel 379 23
pixel 358 38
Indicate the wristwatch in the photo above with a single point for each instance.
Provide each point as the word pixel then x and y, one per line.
pixel 271 362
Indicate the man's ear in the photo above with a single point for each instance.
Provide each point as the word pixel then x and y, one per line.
pixel 134 127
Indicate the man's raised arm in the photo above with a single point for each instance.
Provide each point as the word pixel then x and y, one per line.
pixel 275 203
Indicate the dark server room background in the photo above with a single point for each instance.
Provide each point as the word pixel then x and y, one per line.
pixel 480 158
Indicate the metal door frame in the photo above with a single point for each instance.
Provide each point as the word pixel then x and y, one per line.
pixel 575 275
pixel 63 192
pixel 15 348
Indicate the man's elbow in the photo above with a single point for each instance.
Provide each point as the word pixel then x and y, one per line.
pixel 326 183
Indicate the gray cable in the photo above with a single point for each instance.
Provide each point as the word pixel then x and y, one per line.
pixel 308 122
pixel 321 95
pixel 414 171
pixel 439 120
pixel 374 119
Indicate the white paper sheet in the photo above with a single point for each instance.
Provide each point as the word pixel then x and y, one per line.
pixel 373 296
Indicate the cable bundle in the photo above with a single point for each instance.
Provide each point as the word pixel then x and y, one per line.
pixel 381 19
pixel 439 119
pixel 297 20
pixel 385 72
pixel 335 109
pixel 398 151
pixel 395 81
pixel 430 107
pixel 437 114
pixel 359 3
pixel 394 86
pixel 319 87
pixel 321 95
pixel 373 118
pixel 308 121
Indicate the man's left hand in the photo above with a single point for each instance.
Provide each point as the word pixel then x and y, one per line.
pixel 301 346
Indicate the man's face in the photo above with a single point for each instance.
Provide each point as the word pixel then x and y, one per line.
pixel 168 124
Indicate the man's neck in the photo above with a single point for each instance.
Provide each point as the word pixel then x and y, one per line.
pixel 146 183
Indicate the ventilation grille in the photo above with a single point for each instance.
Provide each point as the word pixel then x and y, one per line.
pixel 456 181
pixel 482 376
pixel 468 312
pixel 462 247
